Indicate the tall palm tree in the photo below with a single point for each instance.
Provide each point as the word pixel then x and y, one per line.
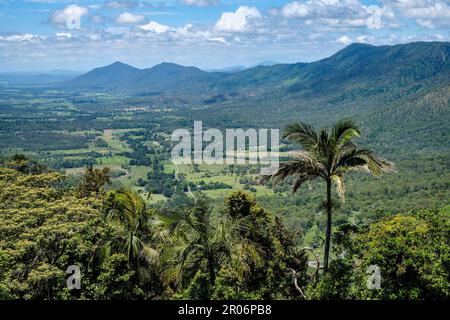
pixel 203 242
pixel 130 216
pixel 201 246
pixel 328 156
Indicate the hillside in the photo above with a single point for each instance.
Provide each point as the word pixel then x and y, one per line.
pixel 164 77
pixel 394 91
pixel 356 68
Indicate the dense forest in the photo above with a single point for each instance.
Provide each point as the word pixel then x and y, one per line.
pixel 126 249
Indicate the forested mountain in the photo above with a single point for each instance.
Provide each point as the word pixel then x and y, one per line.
pixel 164 77
pixel 400 68
pixel 111 76
pixel 395 91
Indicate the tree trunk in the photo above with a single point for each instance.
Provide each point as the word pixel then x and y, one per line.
pixel 328 232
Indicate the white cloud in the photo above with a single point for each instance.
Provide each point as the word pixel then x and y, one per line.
pixel 296 9
pixel 189 34
pixel 407 3
pixel 70 16
pixel 129 18
pixel 155 27
pixel 436 10
pixel 64 35
pixel 426 13
pixel 337 13
pixel 120 4
pixel 345 40
pixel 217 39
pixel 374 21
pixel 237 21
pixel 201 3
pixel 362 39
pixel 337 23
pixel 21 37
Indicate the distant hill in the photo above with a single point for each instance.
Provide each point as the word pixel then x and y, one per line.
pixel 110 77
pixel 265 63
pixel 398 92
pixel 164 77
pixel 357 67
pixel 231 69
pixel 37 78
pixel 234 69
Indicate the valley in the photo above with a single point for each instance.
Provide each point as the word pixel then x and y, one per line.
pixel 68 129
pixel 224 158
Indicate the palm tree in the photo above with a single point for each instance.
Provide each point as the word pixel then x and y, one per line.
pixel 128 213
pixel 201 246
pixel 328 156
pixel 202 242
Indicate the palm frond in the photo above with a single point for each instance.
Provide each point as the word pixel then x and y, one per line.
pixel 189 249
pixel 150 255
pixel 363 159
pixel 302 167
pixel 338 180
pixel 101 253
pixel 298 182
pixel 343 131
pixel 128 208
pixel 244 255
pixel 303 134
pixel 172 274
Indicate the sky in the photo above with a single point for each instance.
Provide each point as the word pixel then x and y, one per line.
pixel 42 35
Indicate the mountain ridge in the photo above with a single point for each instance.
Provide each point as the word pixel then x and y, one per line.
pixel 417 61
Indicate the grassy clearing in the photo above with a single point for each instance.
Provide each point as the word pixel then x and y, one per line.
pixel 215 173
pixel 80 170
pixel 114 160
pixel 112 137
pixel 134 174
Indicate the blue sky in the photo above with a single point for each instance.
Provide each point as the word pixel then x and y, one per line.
pixel 38 35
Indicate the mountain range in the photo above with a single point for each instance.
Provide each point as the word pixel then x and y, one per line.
pixel 395 91
pixel 413 64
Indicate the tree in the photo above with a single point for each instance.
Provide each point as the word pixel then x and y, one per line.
pixel 93 181
pixel 264 261
pixel 328 156
pixel 202 243
pixel 413 254
pixel 43 231
pixel 408 253
pixel 22 164
pixel 131 217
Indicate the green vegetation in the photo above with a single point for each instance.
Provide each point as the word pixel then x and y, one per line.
pixel 86 179
pixel 328 156
pixel 188 249
pixel 411 250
